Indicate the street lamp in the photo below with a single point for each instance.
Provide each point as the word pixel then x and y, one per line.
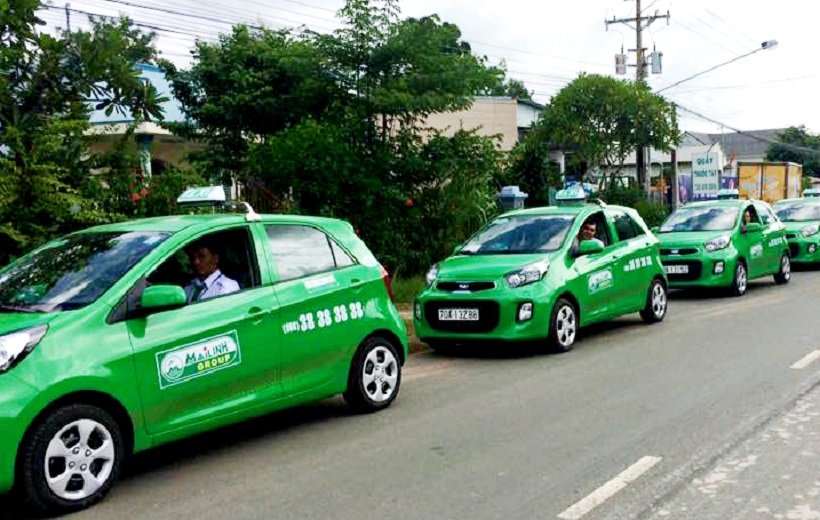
pixel 768 44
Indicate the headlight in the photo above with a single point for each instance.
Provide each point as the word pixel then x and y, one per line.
pixel 718 243
pixel 811 230
pixel 528 274
pixel 14 346
pixel 431 275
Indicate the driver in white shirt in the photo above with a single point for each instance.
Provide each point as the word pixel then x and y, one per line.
pixel 209 281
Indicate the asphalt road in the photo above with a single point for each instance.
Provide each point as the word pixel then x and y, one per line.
pixel 634 423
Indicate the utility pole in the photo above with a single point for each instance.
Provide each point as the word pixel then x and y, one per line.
pixel 68 17
pixel 640 23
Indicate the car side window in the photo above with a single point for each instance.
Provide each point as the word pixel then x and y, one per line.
pixel 766 216
pixel 303 250
pixel 231 252
pixel 601 228
pixel 625 226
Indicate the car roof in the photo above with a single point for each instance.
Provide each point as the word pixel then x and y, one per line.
pixel 177 223
pixel 584 209
pixel 728 203
pixel 815 200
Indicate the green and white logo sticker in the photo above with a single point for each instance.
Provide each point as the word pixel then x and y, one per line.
pixel 600 281
pixel 188 362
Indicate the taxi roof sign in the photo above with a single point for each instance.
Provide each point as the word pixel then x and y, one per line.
pixel 206 196
pixel 812 192
pixel 571 196
pixel 728 193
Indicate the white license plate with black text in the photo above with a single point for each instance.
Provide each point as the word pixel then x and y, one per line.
pixel 458 314
pixel 676 269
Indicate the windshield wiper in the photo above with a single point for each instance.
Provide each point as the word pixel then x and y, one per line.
pixel 11 308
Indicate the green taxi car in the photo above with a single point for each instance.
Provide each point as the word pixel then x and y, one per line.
pixel 528 275
pixel 724 244
pixel 802 220
pixel 105 350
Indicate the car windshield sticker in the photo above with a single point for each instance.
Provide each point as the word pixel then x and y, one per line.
pixel 315 283
pixel 757 250
pixel 182 364
pixel 600 281
pixel 324 318
pixel 638 263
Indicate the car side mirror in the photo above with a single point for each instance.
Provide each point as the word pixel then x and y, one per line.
pixel 754 227
pixel 654 229
pixel 590 247
pixel 163 297
pixel 457 249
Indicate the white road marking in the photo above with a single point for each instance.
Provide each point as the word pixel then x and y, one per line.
pixel 807 360
pixel 605 492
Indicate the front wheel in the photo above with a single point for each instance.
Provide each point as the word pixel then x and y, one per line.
pixel 656 303
pixel 375 376
pixel 741 280
pixel 71 459
pixel 784 274
pixel 563 326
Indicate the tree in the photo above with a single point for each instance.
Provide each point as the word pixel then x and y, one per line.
pixel 602 120
pixel 44 112
pixel 793 139
pixel 329 125
pixel 511 87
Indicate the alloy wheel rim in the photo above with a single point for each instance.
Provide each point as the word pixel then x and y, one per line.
pixel 79 460
pixel 565 325
pixel 659 301
pixel 380 375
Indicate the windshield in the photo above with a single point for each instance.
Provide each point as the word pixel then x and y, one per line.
pixel 520 235
pixel 73 272
pixel 701 219
pixel 798 212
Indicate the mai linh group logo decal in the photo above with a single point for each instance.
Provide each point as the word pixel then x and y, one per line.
pixel 188 362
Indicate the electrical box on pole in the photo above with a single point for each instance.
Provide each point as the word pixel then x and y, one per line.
pixel 620 63
pixel 657 67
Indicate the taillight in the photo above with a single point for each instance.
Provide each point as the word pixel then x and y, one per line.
pixel 387 283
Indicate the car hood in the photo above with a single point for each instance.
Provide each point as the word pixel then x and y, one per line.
pixel 689 238
pixel 485 267
pixel 13 321
pixel 797 227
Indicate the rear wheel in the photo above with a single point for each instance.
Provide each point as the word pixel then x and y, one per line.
pixel 740 283
pixel 71 459
pixel 375 376
pixel 563 326
pixel 784 274
pixel 656 303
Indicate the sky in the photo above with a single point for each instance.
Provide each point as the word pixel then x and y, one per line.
pixel 547 43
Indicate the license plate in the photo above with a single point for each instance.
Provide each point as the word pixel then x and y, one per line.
pixel 458 314
pixel 676 269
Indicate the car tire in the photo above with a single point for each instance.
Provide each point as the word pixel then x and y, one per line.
pixel 657 303
pixel 563 326
pixel 70 459
pixel 375 376
pixel 740 282
pixel 784 274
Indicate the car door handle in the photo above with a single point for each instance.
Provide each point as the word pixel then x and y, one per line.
pixel 255 310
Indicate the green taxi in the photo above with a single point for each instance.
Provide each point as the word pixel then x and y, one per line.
pixel 724 244
pixel 802 220
pixel 126 336
pixel 540 274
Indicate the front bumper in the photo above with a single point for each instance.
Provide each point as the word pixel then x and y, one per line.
pixel 703 269
pixel 497 314
pixel 15 398
pixel 804 250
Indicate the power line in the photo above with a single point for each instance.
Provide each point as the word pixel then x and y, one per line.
pixel 701 20
pixel 794 147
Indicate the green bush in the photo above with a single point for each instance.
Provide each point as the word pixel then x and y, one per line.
pixel 653 212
